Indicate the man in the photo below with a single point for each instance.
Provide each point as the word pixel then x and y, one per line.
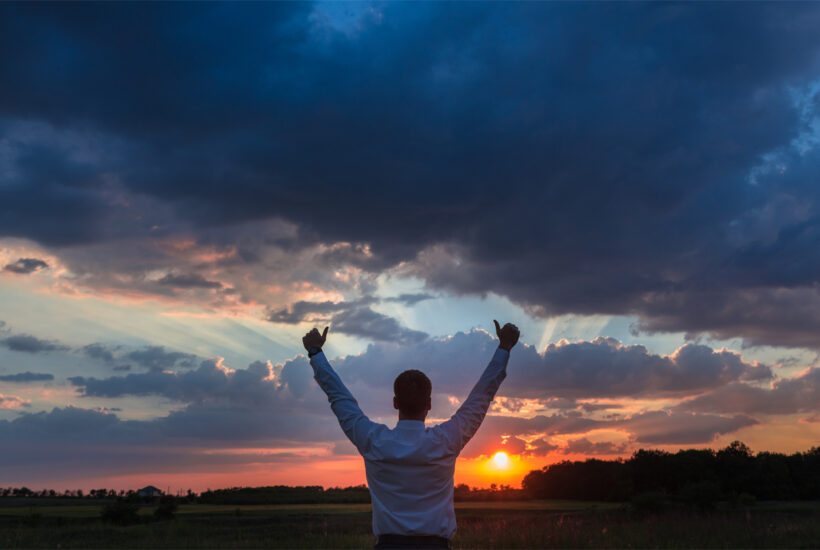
pixel 410 468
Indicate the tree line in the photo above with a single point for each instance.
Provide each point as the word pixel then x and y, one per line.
pixel 284 494
pixel 25 492
pixel 689 475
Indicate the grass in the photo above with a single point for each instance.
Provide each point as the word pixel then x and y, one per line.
pixel 531 524
pixel 92 510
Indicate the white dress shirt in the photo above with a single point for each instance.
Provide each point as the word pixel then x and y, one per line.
pixel 410 468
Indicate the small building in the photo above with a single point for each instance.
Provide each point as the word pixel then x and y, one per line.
pixel 149 492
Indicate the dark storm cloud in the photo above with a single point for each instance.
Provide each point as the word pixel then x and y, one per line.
pixel 577 158
pixel 25 266
pixel 775 316
pixel 27 376
pixel 31 344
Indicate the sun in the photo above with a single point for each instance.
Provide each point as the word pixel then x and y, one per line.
pixel 501 460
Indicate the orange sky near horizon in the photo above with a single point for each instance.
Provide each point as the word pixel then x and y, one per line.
pixel 338 472
pixel 344 471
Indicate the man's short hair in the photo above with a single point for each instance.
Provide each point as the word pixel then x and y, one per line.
pixel 412 389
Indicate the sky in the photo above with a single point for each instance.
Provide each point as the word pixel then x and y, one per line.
pixel 188 188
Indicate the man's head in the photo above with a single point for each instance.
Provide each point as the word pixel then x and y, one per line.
pixel 412 391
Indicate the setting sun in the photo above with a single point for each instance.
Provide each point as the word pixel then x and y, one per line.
pixel 501 460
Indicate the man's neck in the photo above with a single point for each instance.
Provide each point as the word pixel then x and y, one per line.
pixel 412 417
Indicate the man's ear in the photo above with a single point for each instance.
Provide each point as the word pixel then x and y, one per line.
pixel 429 403
pixel 395 403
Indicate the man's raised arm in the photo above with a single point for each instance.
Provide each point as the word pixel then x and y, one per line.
pixel 353 421
pixel 465 422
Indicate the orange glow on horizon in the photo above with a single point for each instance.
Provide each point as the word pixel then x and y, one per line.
pixel 500 468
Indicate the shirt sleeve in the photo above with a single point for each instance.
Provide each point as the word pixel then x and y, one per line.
pixel 465 422
pixel 355 424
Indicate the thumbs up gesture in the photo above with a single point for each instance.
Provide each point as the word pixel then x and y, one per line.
pixel 314 340
pixel 507 335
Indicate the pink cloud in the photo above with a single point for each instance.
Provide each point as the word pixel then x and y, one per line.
pixel 12 402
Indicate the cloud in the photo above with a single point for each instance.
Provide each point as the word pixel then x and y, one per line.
pixel 683 163
pixel 606 368
pixel 280 405
pixel 25 266
pixel 212 382
pixel 603 367
pixel 774 316
pixel 366 323
pixel 584 446
pixel 353 317
pixel 27 376
pixel 26 343
pixel 99 352
pixel 188 280
pixel 798 394
pixel 556 378
pixel 153 358
pixel 541 447
pixel 514 445
pixel 156 358
pixel 98 442
pixel 651 427
pixel 12 402
pixel 100 431
pixel 661 427
pixel 302 311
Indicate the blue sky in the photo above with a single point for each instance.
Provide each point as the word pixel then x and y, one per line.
pixel 186 189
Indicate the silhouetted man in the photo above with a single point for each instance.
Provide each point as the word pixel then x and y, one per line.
pixel 410 468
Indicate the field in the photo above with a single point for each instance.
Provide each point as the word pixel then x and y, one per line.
pixel 528 524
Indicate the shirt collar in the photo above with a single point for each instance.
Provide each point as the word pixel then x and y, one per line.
pixel 411 424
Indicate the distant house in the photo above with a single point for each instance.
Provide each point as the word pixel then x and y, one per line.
pixel 149 492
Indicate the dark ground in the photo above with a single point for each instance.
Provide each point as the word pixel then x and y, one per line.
pixel 481 525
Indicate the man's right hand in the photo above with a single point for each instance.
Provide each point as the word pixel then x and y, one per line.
pixel 314 340
pixel 507 336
